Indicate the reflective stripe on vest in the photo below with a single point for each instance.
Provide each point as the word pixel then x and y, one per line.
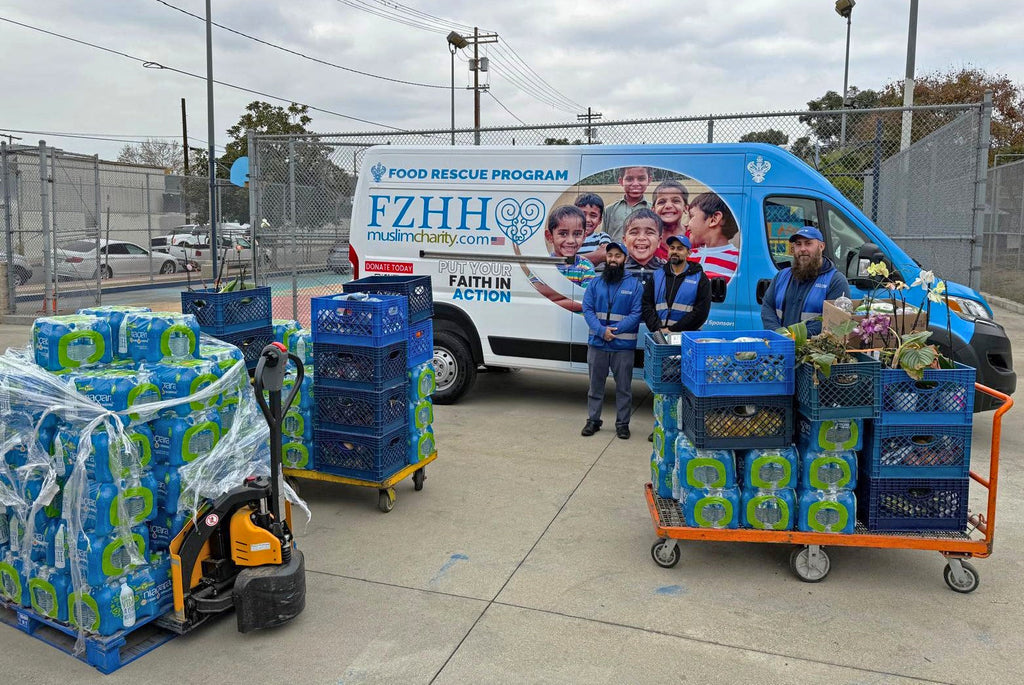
pixel 686 295
pixel 814 302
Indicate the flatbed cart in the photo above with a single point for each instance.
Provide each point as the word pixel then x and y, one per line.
pixel 810 562
pixel 386 497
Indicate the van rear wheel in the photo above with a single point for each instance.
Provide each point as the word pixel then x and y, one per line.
pixel 453 366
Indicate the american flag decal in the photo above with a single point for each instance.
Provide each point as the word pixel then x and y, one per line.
pixel 497 240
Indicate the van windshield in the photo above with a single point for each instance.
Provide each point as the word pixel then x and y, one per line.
pixel 844 243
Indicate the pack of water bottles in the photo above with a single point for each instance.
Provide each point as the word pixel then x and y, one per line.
pixel 298 450
pixel 766 488
pixel 116 425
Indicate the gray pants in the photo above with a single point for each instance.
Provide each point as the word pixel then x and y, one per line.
pixel 620 363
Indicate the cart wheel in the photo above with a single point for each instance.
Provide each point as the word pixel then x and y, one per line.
pixel 665 553
pixel 386 499
pixel 964 579
pixel 810 563
pixel 418 476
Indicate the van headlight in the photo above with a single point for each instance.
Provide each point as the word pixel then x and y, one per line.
pixel 969 309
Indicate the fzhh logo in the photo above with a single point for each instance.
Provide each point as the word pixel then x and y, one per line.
pixel 378 170
pixel 519 220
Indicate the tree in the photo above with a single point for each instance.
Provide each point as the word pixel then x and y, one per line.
pixel 965 85
pixel 771 136
pixel 265 118
pixel 827 128
pixel 153 152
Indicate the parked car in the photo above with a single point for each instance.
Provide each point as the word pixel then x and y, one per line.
pixel 77 260
pixel 20 268
pixel 337 259
pixel 196 247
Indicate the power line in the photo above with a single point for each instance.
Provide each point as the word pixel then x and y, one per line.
pixel 528 81
pixel 303 55
pixel 157 65
pixel 488 91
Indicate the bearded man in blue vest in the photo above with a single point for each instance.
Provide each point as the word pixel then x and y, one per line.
pixel 612 310
pixel 798 293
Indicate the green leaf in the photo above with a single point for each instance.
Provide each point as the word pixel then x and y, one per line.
pixel 844 329
pixel 798 331
pixel 918 338
pixel 823 362
pixel 914 360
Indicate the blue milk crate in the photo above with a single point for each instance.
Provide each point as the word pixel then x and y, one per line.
pixel 850 391
pixel 251 342
pixel 359 322
pixel 713 364
pixel 362 457
pixel 753 422
pixel 360 368
pixel 943 396
pixel 918 451
pixel 416 288
pixel 913 504
pixel 661 367
pixel 221 313
pixel 365 412
pixel 420 343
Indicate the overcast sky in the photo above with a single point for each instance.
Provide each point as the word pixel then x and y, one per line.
pixel 639 58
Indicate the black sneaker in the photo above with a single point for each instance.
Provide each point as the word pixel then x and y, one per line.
pixel 591 428
pixel 622 432
pixel 650 438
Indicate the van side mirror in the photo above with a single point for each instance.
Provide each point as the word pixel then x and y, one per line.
pixel 872 254
pixel 718 289
pixel 762 288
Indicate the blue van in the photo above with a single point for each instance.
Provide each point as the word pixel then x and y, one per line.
pixel 475 219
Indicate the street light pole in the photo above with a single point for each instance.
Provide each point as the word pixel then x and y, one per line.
pixel 844 8
pixel 211 161
pixel 455 43
pixel 908 80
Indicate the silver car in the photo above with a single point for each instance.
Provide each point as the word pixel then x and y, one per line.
pixel 20 268
pixel 77 260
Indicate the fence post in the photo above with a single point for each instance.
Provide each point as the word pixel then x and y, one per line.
pixel 9 285
pixel 257 252
pixel 99 211
pixel 711 130
pixel 149 229
pixel 44 221
pixel 291 213
pixel 53 222
pixel 877 170
pixel 981 176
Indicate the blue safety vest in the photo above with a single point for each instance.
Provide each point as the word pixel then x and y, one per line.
pixel 815 300
pixel 686 295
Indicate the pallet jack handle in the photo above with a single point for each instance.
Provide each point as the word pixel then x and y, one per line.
pixel 269 375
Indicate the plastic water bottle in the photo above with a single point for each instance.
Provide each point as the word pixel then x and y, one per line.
pixel 295 455
pixel 769 509
pixel 421 414
pixel 829 470
pixel 13 584
pixel 661 476
pixel 828 512
pixel 101 512
pixel 102 558
pixel 115 318
pixel 770 469
pixel 178 441
pixel 93 609
pixel 181 379
pixel 664 440
pixel 48 592
pixel 71 342
pixel 666 411
pixel 164 527
pixel 421 445
pixel 830 434
pixel 156 336
pixel 116 389
pixel 422 381
pixel 707 468
pixel 168 488
pixel 712 507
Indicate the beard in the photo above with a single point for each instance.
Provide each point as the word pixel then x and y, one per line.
pixel 807 269
pixel 613 274
pixel 675 260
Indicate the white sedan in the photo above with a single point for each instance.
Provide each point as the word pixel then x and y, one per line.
pixel 77 260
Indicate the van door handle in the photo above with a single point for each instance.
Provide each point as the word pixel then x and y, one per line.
pixel 762 288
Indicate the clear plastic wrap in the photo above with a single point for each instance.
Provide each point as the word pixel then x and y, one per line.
pixel 35 403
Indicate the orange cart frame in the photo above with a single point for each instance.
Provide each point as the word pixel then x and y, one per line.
pixel 811 563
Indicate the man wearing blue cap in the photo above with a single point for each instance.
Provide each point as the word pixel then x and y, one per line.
pixel 612 310
pixel 678 296
pixel 798 293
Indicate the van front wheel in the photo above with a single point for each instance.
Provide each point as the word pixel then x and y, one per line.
pixel 454 367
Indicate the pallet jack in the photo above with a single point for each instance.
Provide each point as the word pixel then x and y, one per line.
pixel 238 551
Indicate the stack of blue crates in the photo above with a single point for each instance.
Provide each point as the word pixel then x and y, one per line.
pixel 419 354
pixel 359 343
pixel 916 457
pixel 240 317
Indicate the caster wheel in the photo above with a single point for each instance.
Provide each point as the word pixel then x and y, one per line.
pixel 386 499
pixel 964 581
pixel 810 567
pixel 665 553
pixel 418 477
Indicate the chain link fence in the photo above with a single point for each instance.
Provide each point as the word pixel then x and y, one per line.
pixel 59 209
pixel 1004 232
pixel 923 196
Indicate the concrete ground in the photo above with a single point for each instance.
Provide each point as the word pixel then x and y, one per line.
pixel 526 558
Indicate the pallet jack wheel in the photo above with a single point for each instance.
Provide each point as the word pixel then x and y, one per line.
pixel 418 476
pixel 386 499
